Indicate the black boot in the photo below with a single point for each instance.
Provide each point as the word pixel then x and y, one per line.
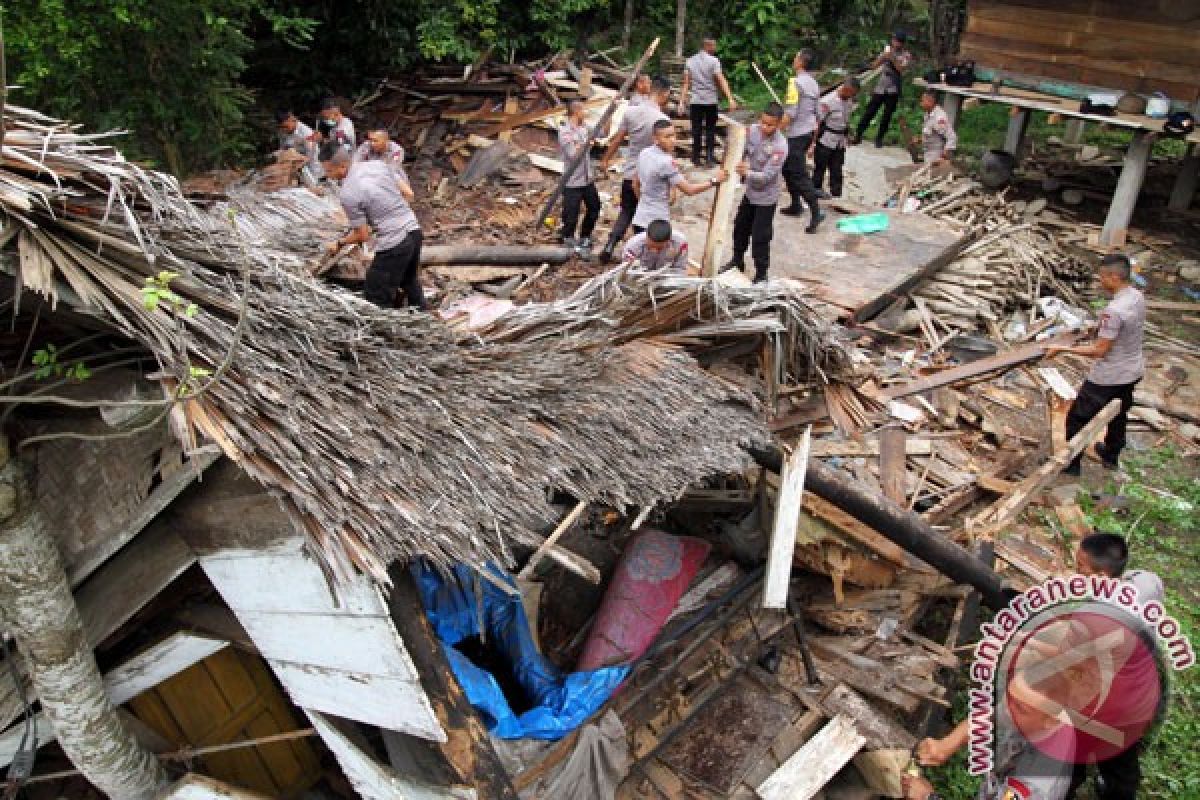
pixel 737 263
pixel 606 254
pixel 818 215
pixel 760 275
pixel 796 209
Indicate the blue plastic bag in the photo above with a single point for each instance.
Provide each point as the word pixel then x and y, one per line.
pixel 560 702
pixel 863 223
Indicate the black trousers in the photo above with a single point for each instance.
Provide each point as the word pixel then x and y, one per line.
pixel 795 172
pixel 629 201
pixel 1120 774
pixel 754 224
pixel 397 268
pixel 1090 401
pixel 704 119
pixel 831 159
pixel 572 198
pixel 888 103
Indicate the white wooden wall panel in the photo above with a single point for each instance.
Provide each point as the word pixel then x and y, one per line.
pixel 390 703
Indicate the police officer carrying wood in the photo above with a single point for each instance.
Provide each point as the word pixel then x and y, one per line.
pixel 829 149
pixel 800 122
pixel 658 174
pixel 580 186
pixel 761 168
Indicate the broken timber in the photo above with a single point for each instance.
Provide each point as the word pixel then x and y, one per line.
pixel 493 255
pixel 720 224
pixel 812 766
pixel 787 517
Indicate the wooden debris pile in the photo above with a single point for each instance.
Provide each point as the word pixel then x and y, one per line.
pixel 386 434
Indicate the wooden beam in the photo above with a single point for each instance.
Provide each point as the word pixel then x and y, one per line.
pixel 1129 186
pixel 551 540
pixel 900 291
pixel 131 579
pixel 201 787
pixel 1074 131
pixel 1005 359
pixel 851 448
pixel 787 519
pixel 1014 137
pixel 720 223
pixel 891 463
pixel 372 780
pixel 812 766
pixel 856 530
pixel 468 748
pixel 1007 508
pixel 952 105
pixel 1185 182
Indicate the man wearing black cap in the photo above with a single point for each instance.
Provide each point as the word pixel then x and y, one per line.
pixel 894 60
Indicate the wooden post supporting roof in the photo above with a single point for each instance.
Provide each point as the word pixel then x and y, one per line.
pixel 1018 123
pixel 1129 186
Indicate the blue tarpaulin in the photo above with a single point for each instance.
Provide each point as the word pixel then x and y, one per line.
pixel 560 702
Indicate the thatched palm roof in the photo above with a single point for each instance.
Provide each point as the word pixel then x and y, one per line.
pixel 385 434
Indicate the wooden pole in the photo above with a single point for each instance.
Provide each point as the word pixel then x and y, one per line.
pixel 601 124
pixel 1007 508
pixel 549 542
pixel 451 255
pixel 1129 186
pixel 787 518
pixel 766 83
pixel 680 26
pixel 720 224
pixel 903 527
pixel 468 748
pixel 1015 135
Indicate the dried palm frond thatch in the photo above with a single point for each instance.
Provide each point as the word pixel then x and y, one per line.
pixel 386 434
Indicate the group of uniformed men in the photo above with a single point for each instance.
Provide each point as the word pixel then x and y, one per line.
pixel 376 192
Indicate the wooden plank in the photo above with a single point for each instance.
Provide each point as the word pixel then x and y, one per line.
pixel 549 542
pixel 811 767
pixel 787 518
pixel 142 672
pixel 385 701
pixel 201 787
pixel 883 770
pixel 876 306
pixel 880 729
pixel 87 562
pixel 1007 508
pixel 851 448
pixel 1116 48
pixel 360 644
pixel 1129 187
pixel 1172 305
pixel 1140 63
pixel 1005 359
pixel 130 580
pixel 858 531
pixel 891 463
pixel 1132 26
pixel 374 781
pixel 255 580
pixel 720 224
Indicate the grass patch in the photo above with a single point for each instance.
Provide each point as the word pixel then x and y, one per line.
pixel 1162 525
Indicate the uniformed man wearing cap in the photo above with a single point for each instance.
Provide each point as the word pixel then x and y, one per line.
pixel 833 126
pixel 894 61
pixel 938 139
pixel 800 123
pixel 702 77
pixel 636 128
pixel 761 168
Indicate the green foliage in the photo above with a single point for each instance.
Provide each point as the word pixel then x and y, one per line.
pixel 158 291
pixel 167 70
pixel 47 365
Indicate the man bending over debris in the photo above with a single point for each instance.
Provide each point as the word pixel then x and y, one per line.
pixel 574 137
pixel 1120 364
pixel 938 139
pixel 658 174
pixel 761 167
pixel 380 147
pixel 829 149
pixel 658 248
pixel 373 203
pixel 637 126
pixel 294 135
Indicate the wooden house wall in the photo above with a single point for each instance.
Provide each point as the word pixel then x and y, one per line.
pixel 1143 47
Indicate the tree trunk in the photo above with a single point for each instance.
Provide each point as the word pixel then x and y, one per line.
pixel 626 27
pixel 43 618
pixel 680 26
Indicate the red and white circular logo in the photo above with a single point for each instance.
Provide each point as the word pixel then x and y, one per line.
pixel 1086 684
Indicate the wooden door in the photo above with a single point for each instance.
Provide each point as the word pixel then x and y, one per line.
pixel 230 697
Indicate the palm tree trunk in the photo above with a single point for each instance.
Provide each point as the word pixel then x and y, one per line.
pixel 41 614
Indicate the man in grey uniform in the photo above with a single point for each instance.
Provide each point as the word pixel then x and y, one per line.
pixel 800 122
pixel 658 247
pixel 894 61
pixel 761 168
pixel 636 128
pixel 640 95
pixel 341 128
pixel 657 175
pixel 938 139
pixel 574 137
pixel 1120 362
pixel 294 135
pixel 374 204
pixel 701 77
pixel 833 126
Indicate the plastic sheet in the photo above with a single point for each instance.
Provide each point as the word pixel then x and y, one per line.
pixel 863 223
pixel 458 607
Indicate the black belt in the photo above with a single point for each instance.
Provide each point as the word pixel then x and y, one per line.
pixel 839 132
